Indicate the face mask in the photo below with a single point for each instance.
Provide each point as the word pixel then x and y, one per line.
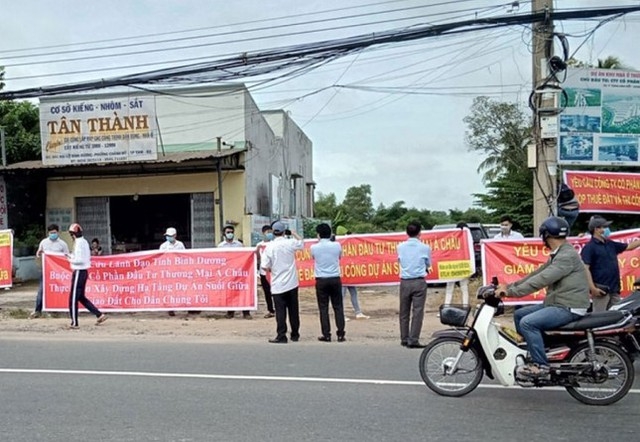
pixel 269 236
pixel 170 238
pixel 53 236
pixel 607 232
pixel 229 236
pixel 504 229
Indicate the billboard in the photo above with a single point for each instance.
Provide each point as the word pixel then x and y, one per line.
pixel 600 123
pixel 98 130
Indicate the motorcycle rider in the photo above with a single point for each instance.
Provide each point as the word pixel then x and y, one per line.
pixel 567 299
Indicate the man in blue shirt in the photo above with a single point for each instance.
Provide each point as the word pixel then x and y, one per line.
pixel 326 255
pixel 600 257
pixel 415 260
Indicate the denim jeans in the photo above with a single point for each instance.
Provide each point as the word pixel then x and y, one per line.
pixel 354 297
pixel 532 320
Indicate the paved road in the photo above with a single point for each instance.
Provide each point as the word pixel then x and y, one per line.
pixel 176 391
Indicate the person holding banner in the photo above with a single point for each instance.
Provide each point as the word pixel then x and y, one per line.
pixel 326 256
pixel 267 234
pixel 231 241
pixel 464 282
pixel 80 261
pixel 280 259
pixel 52 243
pixel 506 232
pixel 415 261
pixel 171 243
pixel 600 257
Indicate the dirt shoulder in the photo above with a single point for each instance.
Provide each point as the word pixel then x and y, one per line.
pixel 378 302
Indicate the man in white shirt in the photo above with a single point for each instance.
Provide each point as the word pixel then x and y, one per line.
pixel 505 229
pixel 231 241
pixel 279 259
pixel 171 243
pixel 80 261
pixel 51 243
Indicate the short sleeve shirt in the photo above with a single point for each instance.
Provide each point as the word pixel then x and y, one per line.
pixel 602 259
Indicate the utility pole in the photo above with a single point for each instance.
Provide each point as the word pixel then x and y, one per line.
pixel 220 201
pixel 544 179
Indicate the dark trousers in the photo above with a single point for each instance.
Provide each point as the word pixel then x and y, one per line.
pixel 287 302
pixel 266 288
pixel 76 295
pixel 330 290
pixel 413 294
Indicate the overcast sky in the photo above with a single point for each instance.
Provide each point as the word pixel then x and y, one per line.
pixel 392 119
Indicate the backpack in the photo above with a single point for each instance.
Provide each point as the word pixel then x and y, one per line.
pixel 565 193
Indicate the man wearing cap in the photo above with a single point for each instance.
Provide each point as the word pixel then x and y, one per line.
pixel 600 257
pixel 279 259
pixel 171 243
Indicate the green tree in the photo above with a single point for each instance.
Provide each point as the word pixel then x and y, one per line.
pixel 357 205
pixel 26 192
pixel 501 131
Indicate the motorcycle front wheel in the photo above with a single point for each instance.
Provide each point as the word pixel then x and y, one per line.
pixel 436 362
pixel 609 385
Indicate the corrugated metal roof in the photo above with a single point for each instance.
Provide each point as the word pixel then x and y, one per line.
pixel 173 157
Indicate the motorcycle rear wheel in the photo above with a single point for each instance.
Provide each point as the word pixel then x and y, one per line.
pixel 620 378
pixel 440 354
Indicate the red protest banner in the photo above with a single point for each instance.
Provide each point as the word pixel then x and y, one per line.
pixel 6 258
pixel 200 279
pixel 603 192
pixel 373 259
pixel 512 260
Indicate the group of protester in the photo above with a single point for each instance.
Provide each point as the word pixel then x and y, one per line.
pixel 569 286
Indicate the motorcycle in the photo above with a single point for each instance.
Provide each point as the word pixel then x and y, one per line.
pixel 586 357
pixel 631 304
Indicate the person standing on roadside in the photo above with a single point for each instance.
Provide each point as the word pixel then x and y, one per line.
pixel 279 258
pixel 171 243
pixel 415 259
pixel 506 232
pixel 600 257
pixel 267 235
pixel 80 261
pixel 353 291
pixel 52 243
pixel 464 282
pixel 231 241
pixel 326 256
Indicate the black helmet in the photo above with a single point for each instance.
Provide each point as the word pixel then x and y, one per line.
pixel 555 227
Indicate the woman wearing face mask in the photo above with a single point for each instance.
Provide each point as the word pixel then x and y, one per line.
pixel 600 257
pixel 52 243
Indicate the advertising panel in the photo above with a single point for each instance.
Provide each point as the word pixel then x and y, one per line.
pixel 101 130
pixel 600 124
